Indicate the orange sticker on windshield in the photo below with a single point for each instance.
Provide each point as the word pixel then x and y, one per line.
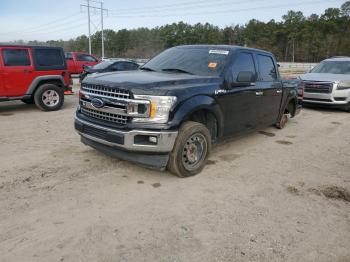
pixel 212 65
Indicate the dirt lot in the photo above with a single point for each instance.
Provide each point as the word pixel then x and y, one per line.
pixel 274 195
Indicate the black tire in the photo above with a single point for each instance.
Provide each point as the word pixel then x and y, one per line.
pixel 282 122
pixel 28 101
pixel 190 131
pixel 40 98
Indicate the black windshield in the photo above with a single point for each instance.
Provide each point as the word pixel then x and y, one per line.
pixel 202 61
pixel 333 67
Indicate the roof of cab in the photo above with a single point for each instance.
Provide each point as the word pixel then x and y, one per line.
pixel 226 47
pixel 29 46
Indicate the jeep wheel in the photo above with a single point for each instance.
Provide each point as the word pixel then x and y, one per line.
pixel 49 97
pixel 28 101
pixel 191 150
pixel 283 121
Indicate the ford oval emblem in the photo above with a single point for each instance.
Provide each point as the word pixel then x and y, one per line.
pixel 98 103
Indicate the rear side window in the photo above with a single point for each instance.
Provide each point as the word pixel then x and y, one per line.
pixel 49 57
pixel 123 66
pixel 119 66
pixel 16 57
pixel 267 68
pixel 86 58
pixel 68 56
pixel 131 66
pixel 243 62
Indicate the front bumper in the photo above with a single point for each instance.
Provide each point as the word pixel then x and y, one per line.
pixel 336 98
pixel 133 140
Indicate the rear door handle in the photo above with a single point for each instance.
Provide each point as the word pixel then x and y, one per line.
pixel 259 93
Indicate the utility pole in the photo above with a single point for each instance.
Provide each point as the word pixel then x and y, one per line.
pixel 293 49
pixel 102 37
pixel 89 6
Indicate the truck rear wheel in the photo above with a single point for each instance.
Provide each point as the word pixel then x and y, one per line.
pixel 283 121
pixel 191 150
pixel 49 97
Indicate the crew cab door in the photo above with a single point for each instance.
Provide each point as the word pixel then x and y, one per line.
pixel 239 101
pixel 271 90
pixel 17 70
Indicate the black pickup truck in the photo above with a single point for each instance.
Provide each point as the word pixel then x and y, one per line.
pixel 168 113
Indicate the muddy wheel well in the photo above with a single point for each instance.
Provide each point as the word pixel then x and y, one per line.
pixel 206 118
pixel 52 81
pixel 48 81
pixel 290 108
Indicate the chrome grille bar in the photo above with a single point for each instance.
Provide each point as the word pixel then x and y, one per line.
pixel 115 118
pixel 105 91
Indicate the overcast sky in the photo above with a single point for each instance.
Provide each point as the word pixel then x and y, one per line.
pixel 64 19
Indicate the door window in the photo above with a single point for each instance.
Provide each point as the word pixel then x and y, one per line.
pixel 243 62
pixel 267 68
pixel 68 56
pixel 16 57
pixel 86 58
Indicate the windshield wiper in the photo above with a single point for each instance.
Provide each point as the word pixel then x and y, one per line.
pixel 177 70
pixel 147 68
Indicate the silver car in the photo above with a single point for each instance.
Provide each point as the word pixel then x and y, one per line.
pixel 328 83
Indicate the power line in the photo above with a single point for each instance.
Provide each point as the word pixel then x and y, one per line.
pixel 101 9
pixel 184 6
pixel 45 25
pixel 226 10
pixel 153 7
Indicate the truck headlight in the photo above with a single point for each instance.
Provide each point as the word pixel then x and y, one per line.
pixel 343 85
pixel 160 107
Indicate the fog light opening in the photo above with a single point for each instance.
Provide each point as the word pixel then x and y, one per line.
pixel 153 139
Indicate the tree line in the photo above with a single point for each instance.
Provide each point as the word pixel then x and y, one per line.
pixel 295 38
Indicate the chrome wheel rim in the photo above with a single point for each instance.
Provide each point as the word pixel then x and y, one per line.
pixel 194 151
pixel 50 98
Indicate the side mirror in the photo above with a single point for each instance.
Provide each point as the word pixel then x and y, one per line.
pixel 245 78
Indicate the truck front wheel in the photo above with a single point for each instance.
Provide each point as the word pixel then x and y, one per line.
pixel 191 150
pixel 49 97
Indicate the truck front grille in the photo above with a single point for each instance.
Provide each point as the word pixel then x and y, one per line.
pixel 318 87
pixel 117 106
pixel 105 91
pixel 115 118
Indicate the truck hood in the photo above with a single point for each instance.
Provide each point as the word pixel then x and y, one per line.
pixel 325 77
pixel 153 83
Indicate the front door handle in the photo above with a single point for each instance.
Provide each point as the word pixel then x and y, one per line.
pixel 27 71
pixel 259 93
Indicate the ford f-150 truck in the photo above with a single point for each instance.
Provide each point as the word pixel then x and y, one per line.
pixel 168 113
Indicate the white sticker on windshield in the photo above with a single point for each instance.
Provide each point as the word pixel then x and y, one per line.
pixel 219 52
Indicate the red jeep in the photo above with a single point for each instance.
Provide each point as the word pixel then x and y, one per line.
pixel 33 74
pixel 77 60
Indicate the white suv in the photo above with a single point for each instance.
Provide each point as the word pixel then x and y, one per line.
pixel 328 83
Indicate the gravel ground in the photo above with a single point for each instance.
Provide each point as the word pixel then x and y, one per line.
pixel 273 195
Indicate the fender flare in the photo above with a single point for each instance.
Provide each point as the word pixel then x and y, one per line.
pixel 292 95
pixel 193 104
pixel 35 83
